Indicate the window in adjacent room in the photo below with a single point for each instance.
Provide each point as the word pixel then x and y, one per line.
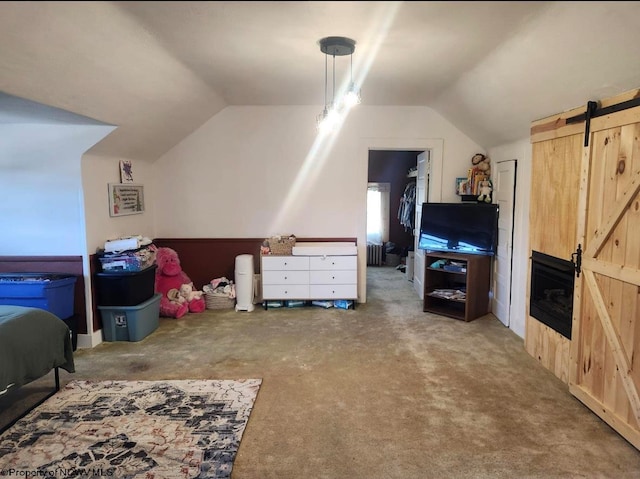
pixel 378 213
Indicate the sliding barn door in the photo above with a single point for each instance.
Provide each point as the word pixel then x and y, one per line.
pixel 605 348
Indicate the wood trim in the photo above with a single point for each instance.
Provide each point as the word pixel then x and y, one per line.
pixel 616 422
pixel 575 351
pixel 204 259
pixel 623 365
pixel 613 120
pixel 53 264
pixel 622 273
pixel 555 126
pixel 606 230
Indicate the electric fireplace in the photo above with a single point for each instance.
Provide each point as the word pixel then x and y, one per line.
pixel 551 295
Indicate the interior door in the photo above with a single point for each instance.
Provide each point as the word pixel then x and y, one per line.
pixel 422 191
pixel 504 195
pixel 605 347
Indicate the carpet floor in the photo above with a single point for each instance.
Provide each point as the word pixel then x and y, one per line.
pixel 384 391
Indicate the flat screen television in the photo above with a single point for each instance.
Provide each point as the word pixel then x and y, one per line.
pixel 470 228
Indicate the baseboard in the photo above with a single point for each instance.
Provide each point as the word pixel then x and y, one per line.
pixel 88 341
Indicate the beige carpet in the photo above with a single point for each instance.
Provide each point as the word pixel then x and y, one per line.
pixel 382 392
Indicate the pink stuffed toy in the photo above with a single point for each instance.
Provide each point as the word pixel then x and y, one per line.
pixel 169 276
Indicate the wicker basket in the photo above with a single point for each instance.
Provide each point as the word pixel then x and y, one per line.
pixel 281 245
pixel 216 300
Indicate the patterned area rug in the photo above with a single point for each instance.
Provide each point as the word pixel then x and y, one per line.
pixel 127 429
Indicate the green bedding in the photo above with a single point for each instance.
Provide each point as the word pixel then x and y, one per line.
pixel 32 342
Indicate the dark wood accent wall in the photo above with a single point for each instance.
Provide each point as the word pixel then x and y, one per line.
pixel 204 259
pixel 53 264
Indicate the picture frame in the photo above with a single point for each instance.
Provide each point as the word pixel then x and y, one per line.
pixel 125 199
pixel 462 186
pixel 126 171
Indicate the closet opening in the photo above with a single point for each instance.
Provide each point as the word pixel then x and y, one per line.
pixel 390 207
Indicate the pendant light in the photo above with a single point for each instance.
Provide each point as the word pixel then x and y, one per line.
pixel 330 116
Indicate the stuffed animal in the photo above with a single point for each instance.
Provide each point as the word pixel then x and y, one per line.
pixel 175 296
pixel 485 191
pixel 169 277
pixel 481 163
pixel 188 294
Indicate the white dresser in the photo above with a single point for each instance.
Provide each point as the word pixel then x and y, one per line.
pixel 315 276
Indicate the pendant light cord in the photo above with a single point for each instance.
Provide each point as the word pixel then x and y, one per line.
pixel 325 82
pixel 333 92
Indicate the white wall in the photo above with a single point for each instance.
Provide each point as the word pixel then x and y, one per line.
pixel 258 171
pixel 42 211
pixel 521 151
pixel 97 173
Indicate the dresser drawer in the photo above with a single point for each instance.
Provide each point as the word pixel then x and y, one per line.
pixel 285 263
pixel 333 277
pixel 333 291
pixel 285 277
pixel 333 262
pixel 285 291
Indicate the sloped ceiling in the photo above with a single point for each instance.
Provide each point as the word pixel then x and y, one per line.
pixel 159 70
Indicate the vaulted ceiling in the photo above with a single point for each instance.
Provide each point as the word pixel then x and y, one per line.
pixel 159 70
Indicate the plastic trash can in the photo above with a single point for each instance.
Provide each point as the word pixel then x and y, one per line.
pixel 244 282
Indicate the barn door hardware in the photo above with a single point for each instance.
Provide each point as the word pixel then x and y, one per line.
pixel 592 107
pixel 576 259
pixel 593 112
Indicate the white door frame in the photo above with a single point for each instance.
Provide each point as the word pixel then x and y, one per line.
pixel 435 146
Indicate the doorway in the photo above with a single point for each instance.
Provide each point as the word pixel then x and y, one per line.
pixel 390 206
pixel 409 146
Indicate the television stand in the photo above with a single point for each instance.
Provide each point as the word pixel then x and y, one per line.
pixel 457 285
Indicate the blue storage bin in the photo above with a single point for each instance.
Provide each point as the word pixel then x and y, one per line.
pixel 52 292
pixel 131 323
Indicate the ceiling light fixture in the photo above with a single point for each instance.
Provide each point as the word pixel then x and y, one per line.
pixel 331 113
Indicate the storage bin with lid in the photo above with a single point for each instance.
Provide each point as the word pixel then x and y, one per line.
pixel 125 288
pixel 131 323
pixel 49 291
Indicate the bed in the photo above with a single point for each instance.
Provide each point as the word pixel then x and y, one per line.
pixel 33 341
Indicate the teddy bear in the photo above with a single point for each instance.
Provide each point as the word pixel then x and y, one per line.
pixel 187 293
pixel 485 191
pixel 170 277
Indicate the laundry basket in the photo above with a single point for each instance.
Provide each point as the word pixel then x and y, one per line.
pixel 214 300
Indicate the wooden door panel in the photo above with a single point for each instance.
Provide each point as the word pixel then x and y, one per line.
pixel 554 184
pixel 605 350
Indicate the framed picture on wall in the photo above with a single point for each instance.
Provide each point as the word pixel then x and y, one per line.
pixel 125 199
pixel 126 171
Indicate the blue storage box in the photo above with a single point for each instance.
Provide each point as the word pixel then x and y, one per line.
pixel 131 323
pixel 49 291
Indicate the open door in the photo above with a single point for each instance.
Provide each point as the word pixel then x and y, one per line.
pixel 504 195
pixel 422 195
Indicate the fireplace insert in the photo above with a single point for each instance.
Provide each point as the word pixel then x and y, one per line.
pixel 551 295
